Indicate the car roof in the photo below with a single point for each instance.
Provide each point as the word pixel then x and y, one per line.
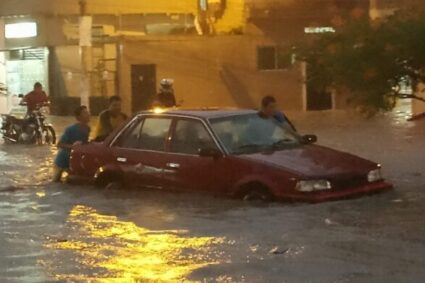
pixel 203 113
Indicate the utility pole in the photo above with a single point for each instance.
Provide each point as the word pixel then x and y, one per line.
pixel 85 54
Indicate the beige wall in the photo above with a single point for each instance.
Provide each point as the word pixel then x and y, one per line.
pixel 114 7
pixel 67 71
pixel 212 72
pixel 66 68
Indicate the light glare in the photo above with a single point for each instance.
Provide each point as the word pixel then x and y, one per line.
pixel 21 30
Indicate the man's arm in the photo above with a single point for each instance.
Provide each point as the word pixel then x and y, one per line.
pixel 173 97
pixel 65 146
pixel 46 99
pixel 24 100
pixel 290 123
pixel 65 141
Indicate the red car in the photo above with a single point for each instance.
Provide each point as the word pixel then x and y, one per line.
pixel 234 153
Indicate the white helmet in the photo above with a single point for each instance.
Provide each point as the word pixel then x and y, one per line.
pixel 167 83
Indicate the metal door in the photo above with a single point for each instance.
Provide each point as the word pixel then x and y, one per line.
pixel 143 86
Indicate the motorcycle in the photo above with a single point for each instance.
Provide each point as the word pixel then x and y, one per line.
pixel 33 129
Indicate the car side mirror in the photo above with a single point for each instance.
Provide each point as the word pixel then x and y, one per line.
pixel 210 152
pixel 309 139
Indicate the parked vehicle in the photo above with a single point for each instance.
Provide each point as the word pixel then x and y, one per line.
pixel 32 129
pixel 234 153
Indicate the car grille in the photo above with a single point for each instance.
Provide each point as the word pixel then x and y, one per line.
pixel 349 182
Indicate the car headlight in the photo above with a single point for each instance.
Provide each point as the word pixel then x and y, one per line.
pixel 374 175
pixel 313 186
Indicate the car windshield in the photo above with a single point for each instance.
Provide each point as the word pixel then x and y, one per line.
pixel 251 133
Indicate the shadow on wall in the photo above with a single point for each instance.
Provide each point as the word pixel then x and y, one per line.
pixel 236 88
pixel 57 80
pixel 58 91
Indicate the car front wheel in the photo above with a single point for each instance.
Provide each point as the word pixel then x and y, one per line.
pixel 257 194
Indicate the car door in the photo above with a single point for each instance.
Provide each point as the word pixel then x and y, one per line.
pixel 139 151
pixel 185 169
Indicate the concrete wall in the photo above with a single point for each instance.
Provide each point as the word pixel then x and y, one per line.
pixel 4 101
pixel 213 72
pixel 114 7
pixel 66 71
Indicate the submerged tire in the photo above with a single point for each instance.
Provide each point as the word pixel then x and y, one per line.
pixel 109 181
pixel 256 194
pixel 48 136
pixel 52 135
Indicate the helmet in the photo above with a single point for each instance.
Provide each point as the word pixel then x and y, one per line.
pixel 167 83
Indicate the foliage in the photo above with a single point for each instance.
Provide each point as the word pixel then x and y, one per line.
pixel 370 59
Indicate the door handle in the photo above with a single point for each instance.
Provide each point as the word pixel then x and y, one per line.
pixel 173 165
pixel 122 159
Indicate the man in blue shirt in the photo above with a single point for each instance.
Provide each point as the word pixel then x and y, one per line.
pixel 75 134
pixel 269 110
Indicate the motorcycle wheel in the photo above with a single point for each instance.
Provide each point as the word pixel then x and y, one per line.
pixel 47 136
pixel 10 135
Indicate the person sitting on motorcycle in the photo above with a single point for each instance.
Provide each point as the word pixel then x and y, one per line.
pixel 75 134
pixel 35 98
pixel 166 95
pixel 110 119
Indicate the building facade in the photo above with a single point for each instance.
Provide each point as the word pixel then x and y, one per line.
pixel 220 53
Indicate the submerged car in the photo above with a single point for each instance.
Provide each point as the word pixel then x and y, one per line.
pixel 224 152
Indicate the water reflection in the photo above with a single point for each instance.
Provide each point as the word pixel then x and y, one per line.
pixel 105 249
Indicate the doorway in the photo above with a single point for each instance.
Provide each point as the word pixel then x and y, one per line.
pixel 143 86
pixel 318 98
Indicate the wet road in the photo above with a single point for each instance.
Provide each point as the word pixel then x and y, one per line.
pixel 59 233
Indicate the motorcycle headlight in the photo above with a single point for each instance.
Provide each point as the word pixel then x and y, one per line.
pixel 374 175
pixel 313 186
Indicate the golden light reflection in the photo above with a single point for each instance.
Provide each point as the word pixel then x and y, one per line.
pixel 119 251
pixel 41 194
pixel 158 110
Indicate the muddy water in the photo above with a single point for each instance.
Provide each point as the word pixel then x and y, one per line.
pixel 59 233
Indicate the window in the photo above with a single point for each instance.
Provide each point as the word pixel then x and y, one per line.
pixel 274 58
pixel 190 137
pixel 130 137
pixel 266 58
pixel 149 134
pixel 246 133
pixel 154 133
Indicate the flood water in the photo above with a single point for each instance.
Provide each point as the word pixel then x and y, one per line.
pixel 62 233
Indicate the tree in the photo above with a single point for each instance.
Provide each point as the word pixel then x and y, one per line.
pixel 370 59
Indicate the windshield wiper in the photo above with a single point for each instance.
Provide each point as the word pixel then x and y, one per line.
pixel 249 146
pixel 283 142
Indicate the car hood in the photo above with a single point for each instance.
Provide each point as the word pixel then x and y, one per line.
pixel 314 161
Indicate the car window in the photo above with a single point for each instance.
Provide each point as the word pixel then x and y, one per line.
pixel 245 133
pixel 148 134
pixel 154 133
pixel 130 137
pixel 191 136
